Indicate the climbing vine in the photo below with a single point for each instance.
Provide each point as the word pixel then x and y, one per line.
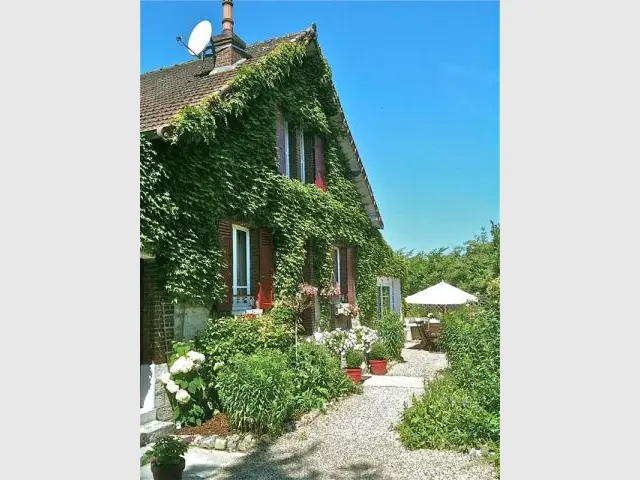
pixel 220 161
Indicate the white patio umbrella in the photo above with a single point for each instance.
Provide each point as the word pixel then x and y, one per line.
pixel 441 295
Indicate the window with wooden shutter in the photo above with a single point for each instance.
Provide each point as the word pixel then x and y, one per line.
pixel 293 159
pixel 226 246
pixel 318 158
pixel 351 274
pixel 265 291
pixel 309 158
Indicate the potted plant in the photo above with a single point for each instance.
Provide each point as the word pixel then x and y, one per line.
pixel 353 359
pixel 378 358
pixel 166 458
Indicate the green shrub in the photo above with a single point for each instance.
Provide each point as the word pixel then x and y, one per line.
pixel 462 408
pixel 223 338
pixel 353 359
pixel 446 417
pixel 391 330
pixel 317 376
pixel 257 391
pixel 473 351
pixel 378 352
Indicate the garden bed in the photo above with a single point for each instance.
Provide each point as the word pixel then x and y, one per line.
pixel 218 425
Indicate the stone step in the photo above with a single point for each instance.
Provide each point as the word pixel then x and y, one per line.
pixel 153 431
pixel 147 416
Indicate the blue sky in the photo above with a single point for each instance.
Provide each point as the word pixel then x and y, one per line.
pixel 419 84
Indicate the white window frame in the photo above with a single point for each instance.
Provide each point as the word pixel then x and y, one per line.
pixel 381 298
pixel 235 229
pixel 287 168
pixel 301 153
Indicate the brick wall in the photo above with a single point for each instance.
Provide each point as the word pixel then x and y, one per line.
pixel 156 316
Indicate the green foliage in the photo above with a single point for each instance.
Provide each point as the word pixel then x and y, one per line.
pixel 353 359
pixel 447 417
pixel 221 162
pixel 391 330
pixel 462 408
pixel 318 377
pixel 378 352
pixel 472 267
pixel 166 451
pixel 256 391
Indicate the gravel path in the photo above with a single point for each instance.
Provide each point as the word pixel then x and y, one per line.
pixel 356 440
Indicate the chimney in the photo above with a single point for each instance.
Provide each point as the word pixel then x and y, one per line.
pixel 229 47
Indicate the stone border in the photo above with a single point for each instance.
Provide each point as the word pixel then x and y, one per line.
pixel 246 441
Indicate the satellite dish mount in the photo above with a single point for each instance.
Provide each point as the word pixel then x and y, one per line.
pixel 200 41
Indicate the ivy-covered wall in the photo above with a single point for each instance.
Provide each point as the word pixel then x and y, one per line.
pixel 221 162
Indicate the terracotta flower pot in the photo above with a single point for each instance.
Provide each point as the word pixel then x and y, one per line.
pixel 354 374
pixel 378 367
pixel 168 472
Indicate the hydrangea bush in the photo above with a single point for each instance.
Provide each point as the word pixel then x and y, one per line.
pixel 339 341
pixel 188 393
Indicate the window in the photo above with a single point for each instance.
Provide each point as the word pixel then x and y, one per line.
pixel 287 168
pixel 301 153
pixel 241 261
pixel 336 265
pixel 384 300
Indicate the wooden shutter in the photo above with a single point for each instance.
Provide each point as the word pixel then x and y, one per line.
pixel 294 158
pixel 309 161
pixel 351 275
pixel 344 279
pixel 226 245
pixel 280 142
pixel 265 292
pixel 319 163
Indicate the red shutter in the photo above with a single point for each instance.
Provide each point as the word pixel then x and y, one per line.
pixel 351 275
pixel 319 161
pixel 226 245
pixel 280 142
pixel 265 291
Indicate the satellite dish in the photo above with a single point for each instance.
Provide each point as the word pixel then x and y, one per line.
pixel 200 37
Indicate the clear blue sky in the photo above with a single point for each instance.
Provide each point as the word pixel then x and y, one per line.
pixel 422 99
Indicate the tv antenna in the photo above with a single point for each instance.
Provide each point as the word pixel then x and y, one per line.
pixel 200 41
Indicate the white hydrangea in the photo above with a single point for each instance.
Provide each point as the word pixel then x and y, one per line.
pixel 165 378
pixel 182 396
pixel 196 357
pixel 172 387
pixel 182 365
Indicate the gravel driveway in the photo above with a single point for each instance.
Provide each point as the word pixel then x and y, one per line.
pixel 356 440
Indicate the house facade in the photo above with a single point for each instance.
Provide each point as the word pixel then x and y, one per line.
pixel 251 184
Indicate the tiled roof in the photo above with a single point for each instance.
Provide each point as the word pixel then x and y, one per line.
pixel 164 92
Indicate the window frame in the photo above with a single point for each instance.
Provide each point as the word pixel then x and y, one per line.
pixel 381 306
pixel 234 237
pixel 336 263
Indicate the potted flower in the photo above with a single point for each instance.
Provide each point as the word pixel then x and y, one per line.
pixel 378 357
pixel 331 292
pixel 167 458
pixel 353 359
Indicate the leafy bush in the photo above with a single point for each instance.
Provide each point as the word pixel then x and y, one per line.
pixel 447 417
pixel 462 408
pixel 378 352
pixel 257 391
pixel 391 330
pixel 317 376
pixel 166 451
pixel 187 391
pixel 223 338
pixel 353 359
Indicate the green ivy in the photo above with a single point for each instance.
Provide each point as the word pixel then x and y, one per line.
pixel 220 161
